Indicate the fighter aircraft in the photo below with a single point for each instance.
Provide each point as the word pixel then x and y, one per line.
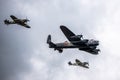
pixel 79 63
pixel 76 41
pixel 21 22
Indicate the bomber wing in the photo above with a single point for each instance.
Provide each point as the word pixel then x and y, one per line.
pixel 68 33
pixel 93 51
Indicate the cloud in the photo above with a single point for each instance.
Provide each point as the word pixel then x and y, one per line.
pixel 24 54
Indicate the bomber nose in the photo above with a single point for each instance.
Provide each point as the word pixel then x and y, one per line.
pixel 96 42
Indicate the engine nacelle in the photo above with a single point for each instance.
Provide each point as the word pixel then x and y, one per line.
pixel 60 50
pixel 76 38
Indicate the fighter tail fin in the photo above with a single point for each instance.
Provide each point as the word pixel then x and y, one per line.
pixel 7 22
pixel 69 63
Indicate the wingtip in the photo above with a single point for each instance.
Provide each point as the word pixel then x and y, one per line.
pixel 27 26
pixel 62 26
pixel 11 15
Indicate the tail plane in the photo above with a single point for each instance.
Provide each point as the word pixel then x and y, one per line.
pixel 51 44
pixel 49 39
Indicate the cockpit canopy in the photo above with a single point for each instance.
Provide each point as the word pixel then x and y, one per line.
pixel 93 42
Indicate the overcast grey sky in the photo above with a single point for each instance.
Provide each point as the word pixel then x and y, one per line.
pixel 24 54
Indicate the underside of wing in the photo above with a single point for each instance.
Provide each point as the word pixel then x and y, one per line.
pixel 13 17
pixel 67 32
pixel 25 25
pixel 92 51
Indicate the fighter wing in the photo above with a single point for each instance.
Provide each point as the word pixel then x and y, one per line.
pixel 13 17
pixel 67 32
pixel 25 25
pixel 78 61
pixel 81 64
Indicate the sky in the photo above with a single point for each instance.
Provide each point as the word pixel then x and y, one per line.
pixel 24 54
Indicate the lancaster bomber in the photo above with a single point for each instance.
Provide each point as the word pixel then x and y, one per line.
pixel 79 63
pixel 21 22
pixel 75 41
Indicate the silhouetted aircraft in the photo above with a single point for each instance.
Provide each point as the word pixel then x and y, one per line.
pixel 76 41
pixel 79 63
pixel 21 22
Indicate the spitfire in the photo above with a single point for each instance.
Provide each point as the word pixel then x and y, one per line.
pixel 76 41
pixel 21 22
pixel 79 63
